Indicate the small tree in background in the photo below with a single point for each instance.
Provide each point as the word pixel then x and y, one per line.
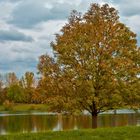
pixel 27 82
pixel 14 90
pixel 2 89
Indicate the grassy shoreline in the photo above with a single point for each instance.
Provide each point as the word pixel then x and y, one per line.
pixel 25 107
pixel 118 133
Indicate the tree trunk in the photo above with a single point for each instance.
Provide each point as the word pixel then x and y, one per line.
pixel 94 120
pixel 115 111
pixel 60 122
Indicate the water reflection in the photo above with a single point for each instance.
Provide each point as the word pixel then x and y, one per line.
pixel 40 123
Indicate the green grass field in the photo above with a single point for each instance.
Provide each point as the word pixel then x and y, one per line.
pixel 119 133
pixel 26 107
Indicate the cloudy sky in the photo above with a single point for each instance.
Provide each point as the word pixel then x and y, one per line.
pixel 28 26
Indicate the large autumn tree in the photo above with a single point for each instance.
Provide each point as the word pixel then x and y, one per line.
pixel 100 56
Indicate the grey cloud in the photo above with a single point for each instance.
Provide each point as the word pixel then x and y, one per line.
pixel 14 35
pixel 10 0
pixel 29 13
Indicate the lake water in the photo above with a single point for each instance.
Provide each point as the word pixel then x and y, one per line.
pixel 41 122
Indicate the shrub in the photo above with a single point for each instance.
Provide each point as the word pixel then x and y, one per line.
pixel 8 105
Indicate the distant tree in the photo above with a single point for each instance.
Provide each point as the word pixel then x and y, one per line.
pixel 13 88
pixel 2 96
pixel 1 82
pixel 15 93
pixel 99 62
pixel 3 89
pixel 28 84
pixel 10 78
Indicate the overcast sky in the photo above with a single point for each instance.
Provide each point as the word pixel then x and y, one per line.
pixel 28 26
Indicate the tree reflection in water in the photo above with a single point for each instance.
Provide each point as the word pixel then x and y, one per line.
pixel 40 123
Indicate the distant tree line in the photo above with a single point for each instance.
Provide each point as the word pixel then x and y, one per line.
pixel 19 90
